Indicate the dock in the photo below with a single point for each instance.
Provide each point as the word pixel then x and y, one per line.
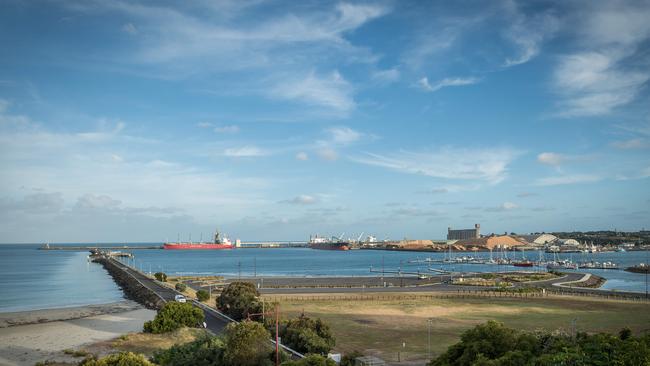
pixel 87 248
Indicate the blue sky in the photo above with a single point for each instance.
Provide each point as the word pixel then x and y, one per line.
pixel 136 121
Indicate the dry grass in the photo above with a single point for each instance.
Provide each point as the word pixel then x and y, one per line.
pixel 148 343
pixel 381 327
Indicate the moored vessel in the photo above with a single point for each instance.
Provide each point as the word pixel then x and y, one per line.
pixel 218 243
pixel 319 242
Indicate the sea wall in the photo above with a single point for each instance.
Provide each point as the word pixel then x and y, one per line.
pixel 133 289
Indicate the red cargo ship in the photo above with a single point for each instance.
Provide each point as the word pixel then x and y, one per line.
pixel 219 243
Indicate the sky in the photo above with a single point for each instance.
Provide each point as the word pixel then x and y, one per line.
pixel 143 121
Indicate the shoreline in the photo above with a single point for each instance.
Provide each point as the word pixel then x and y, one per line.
pixel 39 335
pixel 40 316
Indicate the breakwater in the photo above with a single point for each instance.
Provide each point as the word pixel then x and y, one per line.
pixel 133 289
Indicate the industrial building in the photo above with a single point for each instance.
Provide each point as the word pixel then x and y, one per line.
pixel 464 234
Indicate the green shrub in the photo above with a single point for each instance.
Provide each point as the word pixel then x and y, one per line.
pixel 494 344
pixel 348 359
pixel 307 335
pixel 239 299
pixel 119 359
pixel 160 276
pixel 202 295
pixel 180 287
pixel 247 344
pixel 205 351
pixel 174 315
pixel 311 360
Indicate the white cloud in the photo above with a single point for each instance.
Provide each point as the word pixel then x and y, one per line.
pixel 302 199
pixel 637 143
pixel 204 124
pixel 245 151
pixel 424 83
pixel 528 33
pixel 344 135
pixel 386 76
pixel 4 105
pixel 227 129
pixel 601 77
pixel 489 165
pixel 550 158
pixel 330 91
pixel 506 206
pixel 302 156
pixel 568 179
pixel 327 154
pixel 594 83
pixel 130 28
pixel 92 201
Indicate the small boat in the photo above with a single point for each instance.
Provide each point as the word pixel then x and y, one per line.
pixel 524 263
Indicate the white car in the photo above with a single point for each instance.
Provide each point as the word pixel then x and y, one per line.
pixel 180 298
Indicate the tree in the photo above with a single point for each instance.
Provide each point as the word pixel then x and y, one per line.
pixel 174 315
pixel 160 276
pixel 119 359
pixel 247 344
pixel 202 295
pixel 239 299
pixel 311 360
pixel 205 351
pixel 180 287
pixel 307 335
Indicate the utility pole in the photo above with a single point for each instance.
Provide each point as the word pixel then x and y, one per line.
pixel 277 338
pixel 429 338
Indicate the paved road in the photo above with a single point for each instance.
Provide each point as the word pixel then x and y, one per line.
pixel 214 321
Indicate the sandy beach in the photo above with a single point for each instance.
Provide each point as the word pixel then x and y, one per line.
pixel 43 334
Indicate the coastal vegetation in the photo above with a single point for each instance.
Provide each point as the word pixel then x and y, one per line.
pixel 493 344
pixel 160 276
pixel 119 359
pixel 174 315
pixel 180 287
pixel 239 299
pixel 307 335
pixel 202 295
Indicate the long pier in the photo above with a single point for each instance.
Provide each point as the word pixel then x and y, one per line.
pixel 91 247
pixel 243 245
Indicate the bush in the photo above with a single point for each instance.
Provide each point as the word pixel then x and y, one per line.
pixel 202 295
pixel 494 344
pixel 180 287
pixel 205 351
pixel 311 360
pixel 160 276
pixel 119 359
pixel 239 299
pixel 174 315
pixel 348 359
pixel 247 344
pixel 307 335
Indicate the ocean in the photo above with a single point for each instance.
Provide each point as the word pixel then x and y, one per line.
pixel 37 279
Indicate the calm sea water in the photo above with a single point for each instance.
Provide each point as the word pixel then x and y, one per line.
pixel 35 279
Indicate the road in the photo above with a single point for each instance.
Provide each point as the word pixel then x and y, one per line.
pixel 215 322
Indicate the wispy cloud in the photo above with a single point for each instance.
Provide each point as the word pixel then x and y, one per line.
pixel 302 156
pixel 600 77
pixel 244 152
pixel 506 206
pixel 550 158
pixel 489 165
pixel 637 143
pixel 425 85
pixel 568 179
pixel 302 199
pixel 528 33
pixel 331 91
pixel 226 129
pixel 344 135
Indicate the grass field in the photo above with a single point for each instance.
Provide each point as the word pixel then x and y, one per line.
pixel 382 327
